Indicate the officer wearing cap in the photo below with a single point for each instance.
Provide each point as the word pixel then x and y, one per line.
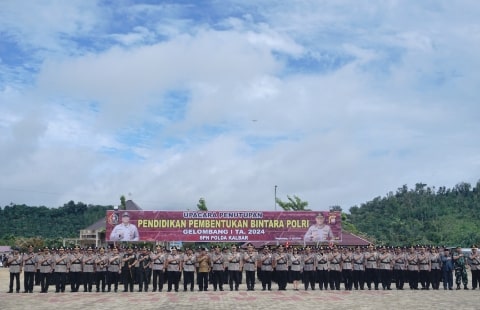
pixel 249 264
pixel 114 262
pixel 235 266
pixel 295 259
pixel 447 269
pixel 474 262
pixel 125 231
pixel 459 263
pixel 173 265
pixel 101 265
pixel 321 268
pixel 358 269
pixel 144 263
pixel 424 268
pixel 217 260
pixel 435 268
pixel 15 262
pixel 347 268
pixel 128 270
pixel 88 263
pixel 204 263
pixel 371 267
pixel 75 268
pixel 62 262
pixel 319 232
pixel 189 261
pixel 29 262
pixel 45 263
pixel 399 267
pixel 280 259
pixel 158 268
pixel 385 265
pixel 335 263
pixel 265 260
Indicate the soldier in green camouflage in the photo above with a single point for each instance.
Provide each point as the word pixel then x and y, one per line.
pixel 459 263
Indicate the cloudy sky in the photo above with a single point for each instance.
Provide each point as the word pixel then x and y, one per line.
pixel 165 102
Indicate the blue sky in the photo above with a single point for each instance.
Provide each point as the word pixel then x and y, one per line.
pixel 165 102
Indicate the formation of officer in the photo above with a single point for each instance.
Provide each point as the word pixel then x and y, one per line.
pixel 358 268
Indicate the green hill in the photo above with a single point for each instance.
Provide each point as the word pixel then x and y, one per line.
pixel 422 215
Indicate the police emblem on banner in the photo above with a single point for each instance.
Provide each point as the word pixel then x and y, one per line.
pixel 113 219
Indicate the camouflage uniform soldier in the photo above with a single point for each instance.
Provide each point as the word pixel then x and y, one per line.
pixel 29 261
pixel 14 262
pixel 62 264
pixel 459 262
pixel 474 262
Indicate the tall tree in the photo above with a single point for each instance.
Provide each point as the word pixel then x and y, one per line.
pixel 123 203
pixel 293 204
pixel 201 205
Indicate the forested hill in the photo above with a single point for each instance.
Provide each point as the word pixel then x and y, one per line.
pixel 62 222
pixel 422 215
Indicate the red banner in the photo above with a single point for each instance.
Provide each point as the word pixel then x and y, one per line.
pixel 224 226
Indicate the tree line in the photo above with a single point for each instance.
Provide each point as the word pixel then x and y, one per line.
pixel 422 215
pixel 51 224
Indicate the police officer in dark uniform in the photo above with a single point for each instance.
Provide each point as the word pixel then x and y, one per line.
pixel 143 270
pixel 128 262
